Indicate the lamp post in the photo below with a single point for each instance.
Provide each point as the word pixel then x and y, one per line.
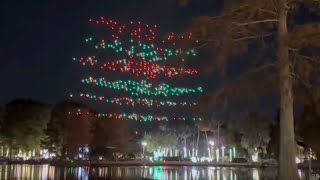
pixel 143 146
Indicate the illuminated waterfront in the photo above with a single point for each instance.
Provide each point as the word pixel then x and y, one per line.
pixel 44 172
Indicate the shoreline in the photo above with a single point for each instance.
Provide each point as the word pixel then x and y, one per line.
pixel 141 163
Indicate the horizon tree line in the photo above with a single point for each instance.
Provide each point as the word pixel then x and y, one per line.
pixel 28 126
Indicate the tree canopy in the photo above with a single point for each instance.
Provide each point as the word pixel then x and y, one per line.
pixel 23 124
pixel 285 62
pixel 309 128
pixel 68 131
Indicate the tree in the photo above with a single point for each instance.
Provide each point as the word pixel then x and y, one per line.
pixel 1 114
pixel 255 134
pixel 23 124
pixel 309 129
pixel 110 135
pixel 263 26
pixel 1 122
pixel 68 128
pixel 273 146
pixel 184 132
pixel 161 143
pixel 101 138
pixel 119 134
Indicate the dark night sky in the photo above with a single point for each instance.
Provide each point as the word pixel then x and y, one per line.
pixel 40 37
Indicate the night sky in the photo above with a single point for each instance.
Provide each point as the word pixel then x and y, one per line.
pixel 39 39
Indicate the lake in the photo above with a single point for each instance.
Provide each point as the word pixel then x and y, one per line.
pixel 46 172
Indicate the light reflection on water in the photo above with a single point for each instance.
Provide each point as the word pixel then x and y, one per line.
pixel 45 172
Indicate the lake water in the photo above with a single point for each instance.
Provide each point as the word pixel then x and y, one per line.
pixel 46 172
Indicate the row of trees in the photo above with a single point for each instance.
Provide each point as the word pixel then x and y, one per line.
pixel 250 134
pixel 22 125
pixel 30 126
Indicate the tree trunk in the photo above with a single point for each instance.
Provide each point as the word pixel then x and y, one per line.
pixel 63 153
pixel 10 154
pixel 219 136
pixel 287 165
pixel 209 152
pixel 198 142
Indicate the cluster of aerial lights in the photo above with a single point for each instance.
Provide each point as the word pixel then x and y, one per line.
pixel 145 51
pixel 142 87
pixel 135 29
pixel 126 101
pixel 136 116
pixel 91 60
pixel 149 51
pixel 145 118
pixel 138 31
pixel 141 46
pixel 144 68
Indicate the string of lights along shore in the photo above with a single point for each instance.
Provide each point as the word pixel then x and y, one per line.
pixel 146 58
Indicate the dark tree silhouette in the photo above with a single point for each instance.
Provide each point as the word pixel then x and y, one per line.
pixel 67 131
pixel 287 57
pixel 24 121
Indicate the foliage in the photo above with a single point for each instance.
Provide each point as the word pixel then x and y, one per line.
pixel 110 135
pixel 287 55
pixel 227 137
pixel 161 140
pixel 100 139
pixel 309 130
pixel 274 143
pixel 1 114
pixel 184 132
pixel 250 25
pixel 23 124
pixel 302 152
pixel 255 133
pixel 67 132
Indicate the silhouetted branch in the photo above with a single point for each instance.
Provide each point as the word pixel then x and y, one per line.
pixel 267 11
pixel 254 37
pixel 201 46
pixel 216 17
pixel 303 82
pixel 263 67
pixel 207 40
pixel 308 58
pixel 256 22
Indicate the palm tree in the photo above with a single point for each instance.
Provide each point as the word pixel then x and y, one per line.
pixel 203 127
pixel 184 132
